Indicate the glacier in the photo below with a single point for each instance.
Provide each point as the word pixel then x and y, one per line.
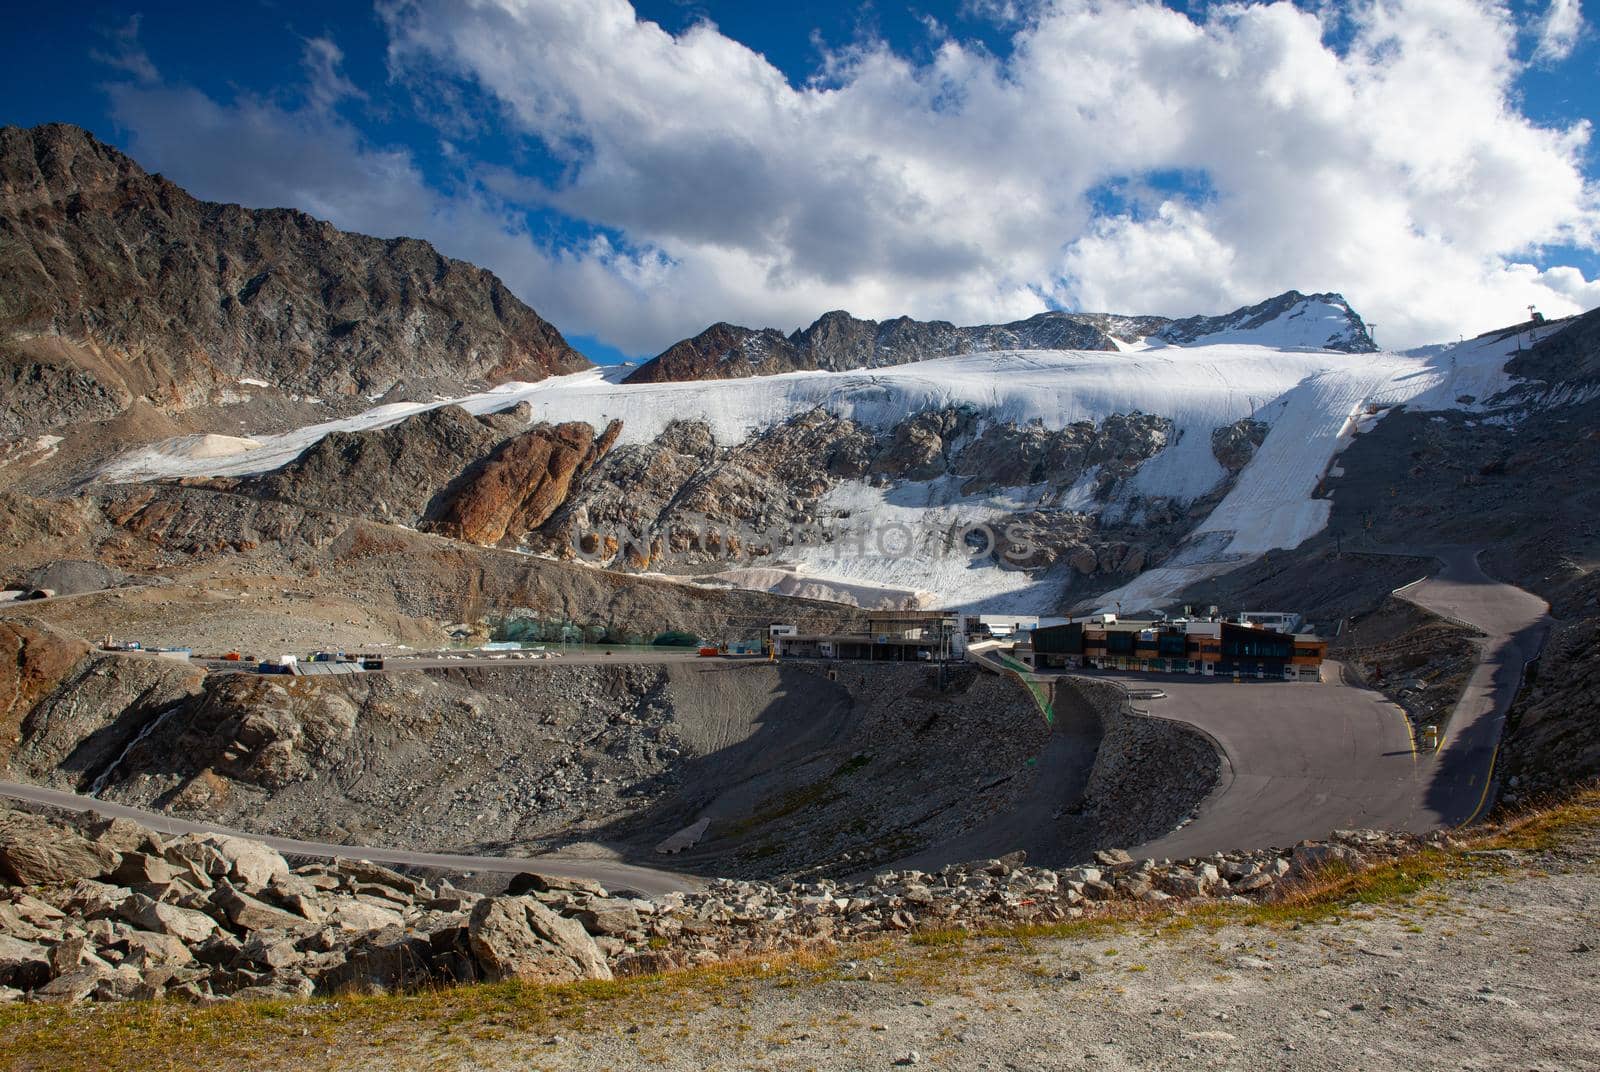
pixel 1314 400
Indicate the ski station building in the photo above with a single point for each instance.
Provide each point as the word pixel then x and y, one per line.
pixel 1246 647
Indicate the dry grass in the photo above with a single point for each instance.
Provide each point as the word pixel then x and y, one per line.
pixel 451 1025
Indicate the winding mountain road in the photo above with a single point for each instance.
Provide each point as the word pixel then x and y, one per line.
pixel 1301 760
pixel 1515 625
pixel 610 874
pixel 1304 760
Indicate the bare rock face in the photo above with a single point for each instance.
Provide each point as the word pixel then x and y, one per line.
pixel 76 709
pixel 722 351
pixel 922 444
pixel 684 501
pixel 23 965
pixel 119 286
pixel 519 938
pixel 252 730
pixel 388 474
pixel 1566 353
pixel 33 662
pixel 524 483
pixel 1235 444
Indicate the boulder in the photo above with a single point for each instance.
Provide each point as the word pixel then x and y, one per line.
pixel 284 986
pixel 36 852
pixel 13 925
pixel 352 915
pixel 34 911
pixel 250 862
pixel 309 905
pixel 270 952
pixel 147 949
pixel 365 871
pixel 451 949
pixel 1180 883
pixel 89 899
pixel 72 953
pixel 608 917
pixel 246 913
pixel 519 938
pixel 140 869
pixel 384 960
pixel 121 983
pixel 126 836
pixel 74 986
pixel 184 923
pixel 24 965
pixel 534 882
pixel 198 856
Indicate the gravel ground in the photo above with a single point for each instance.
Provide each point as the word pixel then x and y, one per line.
pixel 1493 972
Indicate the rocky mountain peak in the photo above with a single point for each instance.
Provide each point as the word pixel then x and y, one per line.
pixel 119 287
pixel 838 341
pixel 1289 319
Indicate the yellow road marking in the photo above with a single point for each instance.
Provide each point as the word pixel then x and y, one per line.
pixel 1405 718
pixel 1487 782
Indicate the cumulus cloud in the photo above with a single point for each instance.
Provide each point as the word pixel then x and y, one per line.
pixel 1559 31
pixel 1395 167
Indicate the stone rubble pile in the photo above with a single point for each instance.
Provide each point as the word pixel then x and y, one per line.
pixel 111 910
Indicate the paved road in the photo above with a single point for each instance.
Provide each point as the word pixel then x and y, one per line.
pixel 610 874
pixel 1302 759
pixel 1515 625
pixel 1305 759
pixel 403 663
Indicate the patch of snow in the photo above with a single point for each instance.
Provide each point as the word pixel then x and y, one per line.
pixel 254 383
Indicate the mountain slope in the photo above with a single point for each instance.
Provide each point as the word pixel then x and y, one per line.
pixel 116 286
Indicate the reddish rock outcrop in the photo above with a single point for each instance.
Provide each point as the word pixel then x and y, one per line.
pixel 34 660
pixel 524 483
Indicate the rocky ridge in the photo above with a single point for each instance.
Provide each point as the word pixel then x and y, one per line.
pixel 120 287
pixel 108 910
pixel 838 341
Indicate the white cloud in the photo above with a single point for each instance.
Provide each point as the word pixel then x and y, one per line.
pixel 1397 169
pixel 1559 31
pixel 127 53
pixel 326 82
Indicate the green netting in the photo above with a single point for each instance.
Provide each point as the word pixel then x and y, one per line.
pixel 1041 696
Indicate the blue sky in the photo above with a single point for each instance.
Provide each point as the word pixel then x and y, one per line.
pixel 973 161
